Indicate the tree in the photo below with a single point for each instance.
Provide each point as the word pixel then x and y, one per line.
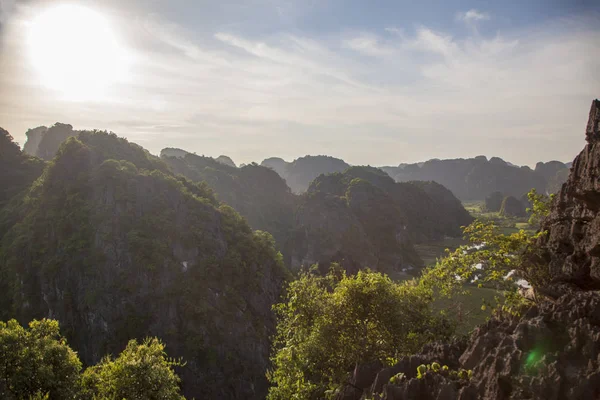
pixel 494 259
pixel 141 372
pixel 328 324
pixel 37 362
pixel 540 206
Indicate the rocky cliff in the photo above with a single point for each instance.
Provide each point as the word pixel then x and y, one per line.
pixel 115 247
pixel 573 240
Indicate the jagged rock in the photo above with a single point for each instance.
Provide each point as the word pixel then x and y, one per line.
pixel 34 137
pixel 551 352
pixel 573 240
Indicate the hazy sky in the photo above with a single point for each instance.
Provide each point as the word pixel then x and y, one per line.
pixel 375 82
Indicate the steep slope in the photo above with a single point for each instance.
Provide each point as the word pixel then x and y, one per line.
pixel 363 218
pixel 115 247
pixel 573 239
pixel 257 193
pixel 300 173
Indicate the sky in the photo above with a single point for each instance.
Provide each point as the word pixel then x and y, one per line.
pixel 376 82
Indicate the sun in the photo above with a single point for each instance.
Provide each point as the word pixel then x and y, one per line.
pixel 76 52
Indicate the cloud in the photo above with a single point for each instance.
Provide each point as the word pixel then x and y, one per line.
pixel 378 97
pixel 472 16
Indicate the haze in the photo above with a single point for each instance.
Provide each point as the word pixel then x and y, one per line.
pixel 377 83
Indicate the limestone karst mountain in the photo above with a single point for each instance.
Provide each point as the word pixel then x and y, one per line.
pixel 114 246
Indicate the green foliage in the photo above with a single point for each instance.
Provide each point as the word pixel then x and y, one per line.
pixel 328 324
pixel 434 368
pixel 398 378
pixel 493 259
pixel 141 372
pixel 37 362
pixel 540 206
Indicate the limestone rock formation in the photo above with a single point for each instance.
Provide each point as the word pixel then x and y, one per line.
pixel 573 240
pixel 362 218
pixel 551 353
pixel 116 247
pixel 512 207
pixel 34 137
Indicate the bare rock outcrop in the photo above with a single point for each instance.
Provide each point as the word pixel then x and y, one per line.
pixel 573 240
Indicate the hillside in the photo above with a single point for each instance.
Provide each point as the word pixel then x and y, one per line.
pixel 361 217
pixel 115 247
pixel 256 192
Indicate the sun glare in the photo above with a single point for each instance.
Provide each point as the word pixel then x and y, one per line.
pixel 76 52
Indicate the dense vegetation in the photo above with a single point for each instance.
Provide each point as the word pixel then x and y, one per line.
pixel 37 363
pixel 361 217
pixel 256 192
pixel 329 324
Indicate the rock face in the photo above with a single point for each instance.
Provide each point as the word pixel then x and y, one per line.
pixel 34 137
pixel 551 353
pixel 116 247
pixel 573 240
